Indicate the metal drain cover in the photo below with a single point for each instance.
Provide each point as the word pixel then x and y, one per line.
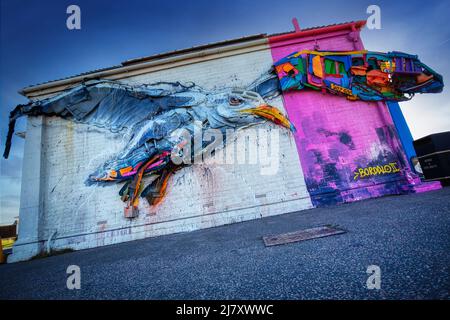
pixel 301 235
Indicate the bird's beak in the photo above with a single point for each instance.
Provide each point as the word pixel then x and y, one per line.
pixel 272 114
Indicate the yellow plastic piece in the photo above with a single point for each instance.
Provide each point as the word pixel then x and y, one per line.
pixel 327 53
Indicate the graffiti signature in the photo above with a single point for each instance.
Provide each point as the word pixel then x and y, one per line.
pixel 372 171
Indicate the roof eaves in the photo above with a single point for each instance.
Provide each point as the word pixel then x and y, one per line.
pixel 194 48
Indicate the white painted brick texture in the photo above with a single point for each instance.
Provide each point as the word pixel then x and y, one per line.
pixel 199 196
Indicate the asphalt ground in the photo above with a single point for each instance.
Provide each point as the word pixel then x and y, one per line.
pixel 407 237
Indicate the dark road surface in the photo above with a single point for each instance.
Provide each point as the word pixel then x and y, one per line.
pixel 408 237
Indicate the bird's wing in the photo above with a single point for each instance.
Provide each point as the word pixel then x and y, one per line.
pixel 109 104
pixel 155 132
pixel 150 138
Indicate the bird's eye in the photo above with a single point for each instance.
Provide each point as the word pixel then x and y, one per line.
pixel 234 101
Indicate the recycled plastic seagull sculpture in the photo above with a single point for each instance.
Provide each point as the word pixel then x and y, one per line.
pixel 154 114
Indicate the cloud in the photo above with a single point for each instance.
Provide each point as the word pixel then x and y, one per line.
pixel 427 114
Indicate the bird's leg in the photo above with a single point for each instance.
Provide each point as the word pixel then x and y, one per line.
pixel 124 192
pixel 134 188
pixel 155 192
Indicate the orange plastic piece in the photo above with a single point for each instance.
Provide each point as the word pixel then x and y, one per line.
pixel 162 192
pixel 359 70
pixel 279 68
pixel 317 67
pixel 378 78
pixel 421 78
pixel 134 198
pixel 125 170
pixel 287 67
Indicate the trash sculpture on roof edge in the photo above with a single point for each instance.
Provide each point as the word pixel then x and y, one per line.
pixel 358 75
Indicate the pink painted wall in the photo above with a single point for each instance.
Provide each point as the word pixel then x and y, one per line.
pixel 336 137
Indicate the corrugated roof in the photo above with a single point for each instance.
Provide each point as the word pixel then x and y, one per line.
pixel 193 49
pixel 184 51
pixel 160 56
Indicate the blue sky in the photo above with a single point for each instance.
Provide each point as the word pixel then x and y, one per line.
pixel 36 46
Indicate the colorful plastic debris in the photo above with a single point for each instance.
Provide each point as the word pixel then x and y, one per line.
pixel 358 75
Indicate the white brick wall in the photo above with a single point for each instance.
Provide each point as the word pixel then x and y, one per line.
pixel 199 196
